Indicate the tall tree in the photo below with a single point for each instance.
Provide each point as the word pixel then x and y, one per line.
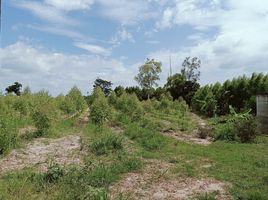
pixel 190 69
pixel 16 88
pixel 149 74
pixel 105 86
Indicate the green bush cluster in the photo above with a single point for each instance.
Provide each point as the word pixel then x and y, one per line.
pixel 72 102
pixel 130 106
pixel 239 92
pixel 147 138
pixel 8 133
pixel 100 109
pixel 106 143
pixel 238 127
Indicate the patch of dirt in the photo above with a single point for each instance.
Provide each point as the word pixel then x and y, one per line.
pixel 25 130
pixel 83 119
pixel 188 138
pixel 64 151
pixel 156 183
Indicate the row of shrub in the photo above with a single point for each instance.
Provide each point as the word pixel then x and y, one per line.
pixel 36 109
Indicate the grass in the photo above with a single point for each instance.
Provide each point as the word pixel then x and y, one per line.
pixel 110 155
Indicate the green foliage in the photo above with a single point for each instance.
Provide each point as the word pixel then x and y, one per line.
pixel 8 133
pixel 149 74
pixel 42 121
pixel 239 92
pixel 178 86
pixel 54 173
pixel 15 88
pixel 130 105
pixel 190 69
pixel 72 102
pixel 147 138
pixel 100 109
pixel 106 143
pixel 105 86
pixel 240 127
pixel 76 97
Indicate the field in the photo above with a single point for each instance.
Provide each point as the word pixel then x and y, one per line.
pixel 117 147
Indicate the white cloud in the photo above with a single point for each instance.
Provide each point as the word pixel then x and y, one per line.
pixel 57 72
pixel 95 49
pixel 127 12
pixel 122 35
pixel 239 45
pixel 69 5
pixel 198 13
pixel 46 12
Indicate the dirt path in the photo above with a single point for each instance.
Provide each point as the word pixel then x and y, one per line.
pixel 156 182
pixel 41 152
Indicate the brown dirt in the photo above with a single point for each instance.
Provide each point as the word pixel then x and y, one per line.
pixel 156 182
pixel 25 130
pixel 188 138
pixel 41 152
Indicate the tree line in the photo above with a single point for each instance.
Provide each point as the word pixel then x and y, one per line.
pixel 210 100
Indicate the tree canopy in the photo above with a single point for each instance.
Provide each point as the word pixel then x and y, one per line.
pixel 104 85
pixel 15 88
pixel 149 74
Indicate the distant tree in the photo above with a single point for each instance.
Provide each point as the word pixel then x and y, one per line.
pixel 119 90
pixel 178 86
pixel 16 88
pixel 149 74
pixel 190 69
pixel 26 90
pixel 105 86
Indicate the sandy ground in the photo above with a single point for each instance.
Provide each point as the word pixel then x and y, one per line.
pixel 156 182
pixel 41 152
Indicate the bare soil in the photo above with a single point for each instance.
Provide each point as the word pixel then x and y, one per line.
pixel 64 151
pixel 156 182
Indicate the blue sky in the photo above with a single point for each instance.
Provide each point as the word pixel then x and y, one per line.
pixel 55 44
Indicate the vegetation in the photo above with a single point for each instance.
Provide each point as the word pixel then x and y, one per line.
pixel 123 131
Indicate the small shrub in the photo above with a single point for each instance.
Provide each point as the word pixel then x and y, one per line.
pixel 42 122
pixel 147 138
pixel 54 173
pixel 225 132
pixel 105 143
pixel 246 129
pixel 8 133
pixel 100 109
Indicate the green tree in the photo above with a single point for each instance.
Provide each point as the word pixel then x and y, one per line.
pixel 100 110
pixel 105 86
pixel 149 74
pixel 15 88
pixel 190 69
pixel 77 98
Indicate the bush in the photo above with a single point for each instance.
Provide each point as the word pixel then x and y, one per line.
pixel 130 105
pixel 105 143
pixel 147 138
pixel 241 129
pixel 54 173
pixel 246 129
pixel 100 109
pixel 42 122
pixel 76 97
pixel 8 133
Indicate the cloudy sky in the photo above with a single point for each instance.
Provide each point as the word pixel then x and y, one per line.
pixel 55 44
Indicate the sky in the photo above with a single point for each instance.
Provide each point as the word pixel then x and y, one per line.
pixel 56 44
